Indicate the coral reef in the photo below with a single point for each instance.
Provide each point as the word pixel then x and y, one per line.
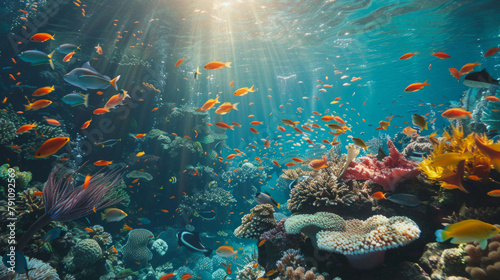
pixel 248 272
pixel 38 270
pixel 207 199
pixel 221 273
pixel 102 237
pixel 291 258
pixel 442 262
pixel 136 249
pixel 387 173
pixel 300 273
pixel 22 177
pixel 310 225
pixel 85 253
pixel 138 174
pixel 293 174
pixel 489 215
pixel 279 237
pixel 259 221
pixel 160 247
pixel 484 264
pixel 418 146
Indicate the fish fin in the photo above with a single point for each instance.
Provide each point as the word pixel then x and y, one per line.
pixel 86 100
pixel 50 59
pixel 27 107
pixel 102 217
pixel 483 243
pixel 227 64
pixel 87 66
pixel 441 235
pixel 113 82
pixel 278 206
pixel 251 89
pixel 231 127
pixel 234 106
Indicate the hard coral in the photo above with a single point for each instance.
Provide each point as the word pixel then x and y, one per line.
pixel 136 249
pixel 387 173
pixel 259 221
pixel 484 264
pixel 38 270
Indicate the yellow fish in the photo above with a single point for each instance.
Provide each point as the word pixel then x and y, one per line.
pixel 359 142
pixel 468 231
pixel 450 159
pixel 419 121
pixel 385 124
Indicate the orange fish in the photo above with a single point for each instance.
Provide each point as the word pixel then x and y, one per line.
pixel 261 242
pixel 243 91
pixel 495 193
pixel 15 147
pixel 281 128
pixel 103 162
pixel 231 156
pixel 98 49
pixel 43 91
pixel 88 229
pixel 51 146
pixel 39 104
pixel 409 131
pixel 378 195
pixel 289 122
pixel 214 65
pixel 87 181
pixel 86 124
pixel 186 276
pixel 491 51
pixel 416 86
pixel 327 118
pixel 99 93
pixel 267 144
pixel 179 62
pixel 339 120
pixel 140 135
pixel 41 37
pixel 454 72
pixel 25 128
pixel 226 107
pixel 456 113
pixel 290 164
pixel 298 160
pixel 224 125
pixel 127 227
pixel 116 99
pixel 276 163
pixel 38 193
pixel 231 84
pixel 441 55
pixel 318 164
pixel 256 123
pixel 407 55
pixel 100 111
pixel 208 105
pixel 167 276
pixel 53 122
pixel 467 68
pixel 68 57
pixel 114 250
pixel 236 124
pixel 492 98
pixel 254 130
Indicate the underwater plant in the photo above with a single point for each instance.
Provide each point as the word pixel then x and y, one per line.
pixel 65 200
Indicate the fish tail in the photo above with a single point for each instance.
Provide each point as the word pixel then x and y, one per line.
pixel 425 83
pixel 441 235
pixel 234 106
pixel 113 82
pixel 251 89
pixel 469 114
pixel 231 127
pixel 50 59
pixel 27 107
pixel 53 36
pixel 278 206
pixel 227 64
pixel 102 217
pixel 86 100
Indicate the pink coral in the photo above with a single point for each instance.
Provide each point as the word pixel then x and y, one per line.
pixel 387 173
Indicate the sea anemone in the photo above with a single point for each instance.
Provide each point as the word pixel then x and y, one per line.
pixel 66 200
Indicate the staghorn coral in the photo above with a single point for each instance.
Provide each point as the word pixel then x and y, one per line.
pixel 259 221
pixel 38 270
pixel 478 165
pixel 136 249
pixel 484 264
pixel 291 258
pixel 323 190
pixel 387 173
pixel 364 242
pixel 85 253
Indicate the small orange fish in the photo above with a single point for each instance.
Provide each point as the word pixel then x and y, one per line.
pixel 86 124
pixel 98 49
pixel 140 135
pixel 39 104
pixel 103 162
pixel 224 125
pixel 276 163
pixel 25 128
pixel 441 55
pixel 114 250
pixel 281 128
pixel 454 72
pixel 254 130
pixel 53 122
pixel 100 111
pixel 271 272
pixel 15 147
pixel 491 51
pixel 261 242
pixel 127 227
pixel 231 84
pixel 256 123
pixel 208 105
pixel 167 276
pixel 41 37
pixel 214 65
pixel 467 68
pixel 495 193
pixel 318 164
pixel 378 195
pixel 186 276
pixel 99 93
pixel 492 98
pixel 68 57
pixel 51 146
pixel 407 55
pixel 87 181
pixel 456 113
pixel 298 160
pixel 179 62
pixel 243 91
pixel 89 230
pixel 226 107
pixel 43 91
pixel 416 86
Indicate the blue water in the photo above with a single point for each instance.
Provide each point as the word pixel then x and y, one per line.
pixel 287 50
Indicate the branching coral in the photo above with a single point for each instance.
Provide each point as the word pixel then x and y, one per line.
pixel 477 166
pixel 323 190
pixel 293 174
pixel 489 215
pixel 387 173
pixel 484 264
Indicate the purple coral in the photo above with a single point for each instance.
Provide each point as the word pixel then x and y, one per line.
pixel 387 173
pixel 65 200
pixel 280 237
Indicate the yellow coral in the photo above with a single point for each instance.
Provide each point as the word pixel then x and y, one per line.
pixel 476 167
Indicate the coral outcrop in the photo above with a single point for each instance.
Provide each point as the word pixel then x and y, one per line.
pixel 136 249
pixel 259 221
pixel 484 264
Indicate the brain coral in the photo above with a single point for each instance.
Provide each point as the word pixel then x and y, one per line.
pixel 255 224
pixel 86 252
pixel 136 249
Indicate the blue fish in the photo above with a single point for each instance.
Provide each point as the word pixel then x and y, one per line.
pixel 67 48
pixel 52 234
pixel 87 77
pixel 5 68
pixel 37 57
pixel 16 260
pixel 145 221
pixel 75 99
pixel 412 111
pixel 406 199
